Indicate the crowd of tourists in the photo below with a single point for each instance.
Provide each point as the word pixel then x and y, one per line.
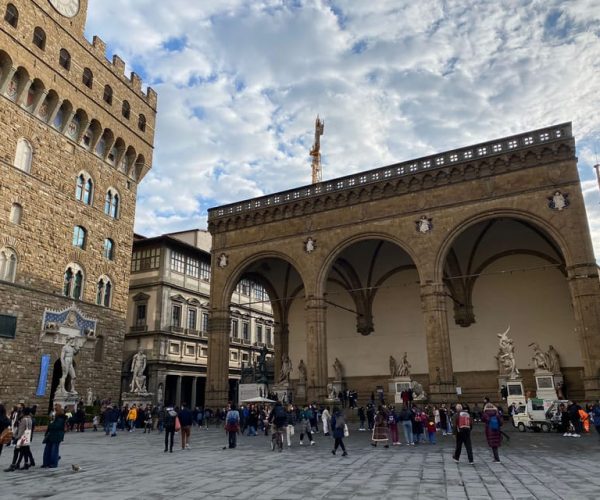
pixel 405 424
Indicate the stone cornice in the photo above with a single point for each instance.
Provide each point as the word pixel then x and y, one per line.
pixel 487 159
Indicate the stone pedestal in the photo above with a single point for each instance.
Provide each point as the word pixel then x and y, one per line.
pixel 67 399
pixel 338 385
pixel 397 385
pixel 516 393
pixel 284 392
pixel 140 399
pixel 300 394
pixel 545 382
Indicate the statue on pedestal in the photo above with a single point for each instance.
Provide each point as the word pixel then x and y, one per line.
pixel 302 372
pixel 68 352
pixel 540 358
pixel 159 394
pixel 89 400
pixel 138 366
pixel 393 367
pixel 338 369
pixel 506 355
pixel 262 366
pixel 331 392
pixel 286 369
pixel 404 368
pixel 553 360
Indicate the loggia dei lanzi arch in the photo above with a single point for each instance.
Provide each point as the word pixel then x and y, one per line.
pixel 432 257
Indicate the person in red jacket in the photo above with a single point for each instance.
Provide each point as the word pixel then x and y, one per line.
pixel 493 423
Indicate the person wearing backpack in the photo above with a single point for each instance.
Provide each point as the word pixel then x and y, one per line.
pixel 338 427
pixel 405 418
pixel 232 425
pixel 169 423
pixel 493 423
pixel 463 423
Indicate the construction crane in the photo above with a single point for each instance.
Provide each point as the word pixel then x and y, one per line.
pixel 315 152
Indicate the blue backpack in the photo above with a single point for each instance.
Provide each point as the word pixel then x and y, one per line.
pixel 494 423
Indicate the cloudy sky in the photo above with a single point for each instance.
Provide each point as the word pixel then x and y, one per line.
pixel 241 82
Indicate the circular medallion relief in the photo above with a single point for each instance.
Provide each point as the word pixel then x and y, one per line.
pixel 67 8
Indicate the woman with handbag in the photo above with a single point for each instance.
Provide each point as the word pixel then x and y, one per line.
pixel 340 429
pixel 23 441
pixel 55 434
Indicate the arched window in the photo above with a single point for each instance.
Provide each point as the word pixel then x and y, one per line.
pixel 16 213
pixel 104 291
pixel 64 59
pixel 23 155
pixel 39 38
pixel 8 264
pixel 108 94
pixel 126 110
pixel 79 237
pixel 108 250
pixel 84 190
pixel 11 16
pixel 88 77
pixel 111 204
pixel 142 123
pixel 73 282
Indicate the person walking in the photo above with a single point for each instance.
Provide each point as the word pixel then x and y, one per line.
pixel 23 442
pixel 55 434
pixel 169 423
pixel 338 427
pixel 393 426
pixel 493 423
pixel 326 419
pixel 305 426
pixel 463 423
pixel 186 421
pixel 232 426
pixel 290 430
pixel 575 418
pixel 362 417
pixel 132 417
pixel 380 430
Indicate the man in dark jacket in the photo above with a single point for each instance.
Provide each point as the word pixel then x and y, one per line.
pixel 575 418
pixel 186 420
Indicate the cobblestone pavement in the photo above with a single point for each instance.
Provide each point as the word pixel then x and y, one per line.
pixel 133 466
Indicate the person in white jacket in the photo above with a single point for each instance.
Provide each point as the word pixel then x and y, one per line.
pixel 326 418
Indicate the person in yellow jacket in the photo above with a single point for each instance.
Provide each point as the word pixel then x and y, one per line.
pixel 131 418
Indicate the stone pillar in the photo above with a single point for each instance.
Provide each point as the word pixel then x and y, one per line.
pixel 439 357
pixel 585 295
pixel 281 334
pixel 316 349
pixel 217 378
pixel 22 96
pixel 7 79
pixel 193 398
pixel 178 392
pixel 39 102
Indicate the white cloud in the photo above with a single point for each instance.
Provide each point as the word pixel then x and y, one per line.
pixel 240 83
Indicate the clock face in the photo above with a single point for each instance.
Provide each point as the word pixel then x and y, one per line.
pixel 67 8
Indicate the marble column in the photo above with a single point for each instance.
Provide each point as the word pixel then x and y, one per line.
pixel 281 341
pixel 217 378
pixel 316 348
pixel 439 356
pixel 585 296
pixel 178 392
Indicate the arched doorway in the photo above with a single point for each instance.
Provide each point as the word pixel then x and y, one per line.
pixel 504 271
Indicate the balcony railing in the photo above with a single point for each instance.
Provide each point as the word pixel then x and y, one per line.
pixel 138 328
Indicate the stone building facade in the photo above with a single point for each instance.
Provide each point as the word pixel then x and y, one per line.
pixel 433 257
pixel 76 138
pixel 168 317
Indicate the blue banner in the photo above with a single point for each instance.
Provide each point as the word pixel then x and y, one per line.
pixel 41 389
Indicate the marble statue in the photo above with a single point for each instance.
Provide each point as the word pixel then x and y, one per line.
pixel 338 369
pixel 331 392
pixel 418 391
pixel 302 372
pixel 262 366
pixel 553 360
pixel 159 394
pixel 138 366
pixel 540 358
pixel 393 367
pixel 89 400
pixel 404 368
pixel 286 368
pixel 507 354
pixel 68 352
